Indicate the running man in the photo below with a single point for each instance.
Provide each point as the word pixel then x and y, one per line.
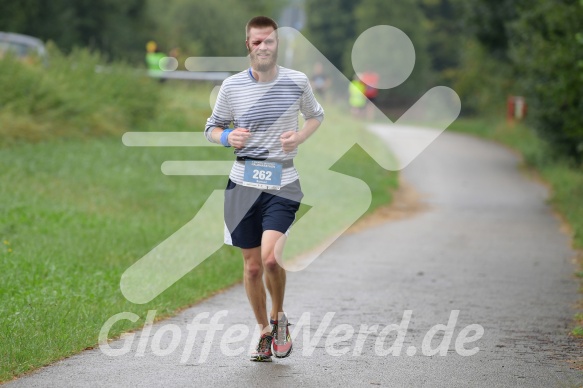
pixel 263 191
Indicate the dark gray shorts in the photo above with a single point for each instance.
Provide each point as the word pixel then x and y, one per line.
pixel 250 211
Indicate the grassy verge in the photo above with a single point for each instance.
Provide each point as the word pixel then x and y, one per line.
pixel 78 210
pixel 73 97
pixel 564 178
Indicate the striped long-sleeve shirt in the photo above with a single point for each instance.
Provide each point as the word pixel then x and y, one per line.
pixel 267 109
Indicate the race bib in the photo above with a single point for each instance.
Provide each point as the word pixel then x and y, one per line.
pixel 262 174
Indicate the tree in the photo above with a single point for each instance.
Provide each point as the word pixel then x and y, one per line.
pixel 488 21
pixel 116 28
pixel 203 28
pixel 408 17
pixel 444 31
pixel 533 45
pixel 331 29
pixel 485 75
pixel 545 50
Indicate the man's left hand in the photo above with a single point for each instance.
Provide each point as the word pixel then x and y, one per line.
pixel 290 140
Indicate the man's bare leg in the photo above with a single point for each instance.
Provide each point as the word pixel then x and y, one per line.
pixel 272 244
pixel 253 280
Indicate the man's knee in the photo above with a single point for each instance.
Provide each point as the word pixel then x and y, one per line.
pixel 270 263
pixel 253 270
pixel 252 265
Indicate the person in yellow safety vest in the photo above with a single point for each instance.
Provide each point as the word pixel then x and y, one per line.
pixel 153 57
pixel 357 98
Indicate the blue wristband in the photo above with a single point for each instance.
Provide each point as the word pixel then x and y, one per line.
pixel 225 137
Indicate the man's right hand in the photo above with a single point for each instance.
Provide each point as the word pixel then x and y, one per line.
pixel 238 137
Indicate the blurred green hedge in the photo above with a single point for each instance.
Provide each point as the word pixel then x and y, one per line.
pixel 75 95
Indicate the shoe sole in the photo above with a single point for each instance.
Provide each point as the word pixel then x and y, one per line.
pixel 284 355
pixel 260 359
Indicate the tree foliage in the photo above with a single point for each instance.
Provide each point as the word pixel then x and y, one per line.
pixel 538 41
pixel 444 33
pixel 489 22
pixel 408 17
pixel 331 28
pixel 486 49
pixel 205 28
pixel 334 25
pixel 109 26
pixel 120 29
pixel 545 51
pixel 200 27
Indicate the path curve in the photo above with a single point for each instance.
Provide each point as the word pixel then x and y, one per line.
pixel 487 246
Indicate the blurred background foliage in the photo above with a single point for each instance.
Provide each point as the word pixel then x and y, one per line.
pixel 71 99
pixel 485 49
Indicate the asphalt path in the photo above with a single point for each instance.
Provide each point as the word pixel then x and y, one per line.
pixel 485 259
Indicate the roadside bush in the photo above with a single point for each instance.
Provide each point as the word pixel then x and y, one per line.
pixel 73 97
pixel 482 81
pixel 546 52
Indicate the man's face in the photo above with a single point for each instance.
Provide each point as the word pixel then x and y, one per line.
pixel 262 46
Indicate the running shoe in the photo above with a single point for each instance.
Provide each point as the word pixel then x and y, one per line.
pixel 263 351
pixel 282 342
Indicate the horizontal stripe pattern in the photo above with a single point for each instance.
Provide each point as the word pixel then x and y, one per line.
pixel 267 109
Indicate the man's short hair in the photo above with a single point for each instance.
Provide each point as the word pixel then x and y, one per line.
pixel 260 22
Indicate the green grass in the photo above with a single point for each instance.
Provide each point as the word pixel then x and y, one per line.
pixel 577 331
pixel 75 216
pixel 69 98
pixel 77 211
